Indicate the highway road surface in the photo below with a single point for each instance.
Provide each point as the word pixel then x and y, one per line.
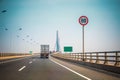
pixel 35 68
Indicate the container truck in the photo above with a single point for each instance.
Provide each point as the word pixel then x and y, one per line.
pixel 44 51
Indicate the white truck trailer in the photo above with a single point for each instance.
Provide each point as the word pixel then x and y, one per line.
pixel 44 51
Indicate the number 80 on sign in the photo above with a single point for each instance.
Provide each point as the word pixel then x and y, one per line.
pixel 83 20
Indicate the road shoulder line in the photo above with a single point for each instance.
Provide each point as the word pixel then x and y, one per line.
pixel 71 70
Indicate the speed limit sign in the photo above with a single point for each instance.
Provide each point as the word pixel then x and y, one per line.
pixel 83 20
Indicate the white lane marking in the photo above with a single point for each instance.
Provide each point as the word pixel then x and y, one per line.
pixel 30 62
pixel 21 68
pixel 71 70
pixel 10 60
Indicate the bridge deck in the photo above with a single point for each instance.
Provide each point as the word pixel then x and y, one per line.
pixel 34 68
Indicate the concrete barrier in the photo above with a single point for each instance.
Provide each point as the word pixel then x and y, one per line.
pixel 4 56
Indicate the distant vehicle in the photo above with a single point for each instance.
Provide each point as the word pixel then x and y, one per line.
pixel 44 51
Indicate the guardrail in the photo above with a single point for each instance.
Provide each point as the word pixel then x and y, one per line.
pixel 107 58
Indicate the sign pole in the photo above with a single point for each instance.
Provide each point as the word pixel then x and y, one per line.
pixel 83 43
pixel 83 20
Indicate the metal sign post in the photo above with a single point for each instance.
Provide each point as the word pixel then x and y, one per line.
pixel 83 20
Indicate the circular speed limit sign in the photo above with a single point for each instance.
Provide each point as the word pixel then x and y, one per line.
pixel 83 20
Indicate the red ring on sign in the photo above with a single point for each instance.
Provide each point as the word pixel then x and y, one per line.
pixel 81 22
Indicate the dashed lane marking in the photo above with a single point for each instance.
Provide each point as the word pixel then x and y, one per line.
pixel 21 68
pixel 30 62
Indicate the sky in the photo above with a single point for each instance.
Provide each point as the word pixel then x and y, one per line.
pixel 26 24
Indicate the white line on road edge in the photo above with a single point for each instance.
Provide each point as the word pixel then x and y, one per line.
pixel 21 68
pixel 12 60
pixel 71 70
pixel 30 62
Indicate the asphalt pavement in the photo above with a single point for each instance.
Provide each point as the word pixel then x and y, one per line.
pixel 36 68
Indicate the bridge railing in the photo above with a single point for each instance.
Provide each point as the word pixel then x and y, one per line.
pixel 107 58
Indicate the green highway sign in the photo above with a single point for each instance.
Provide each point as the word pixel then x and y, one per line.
pixel 30 52
pixel 68 49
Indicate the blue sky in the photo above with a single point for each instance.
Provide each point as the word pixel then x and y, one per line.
pixel 40 19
